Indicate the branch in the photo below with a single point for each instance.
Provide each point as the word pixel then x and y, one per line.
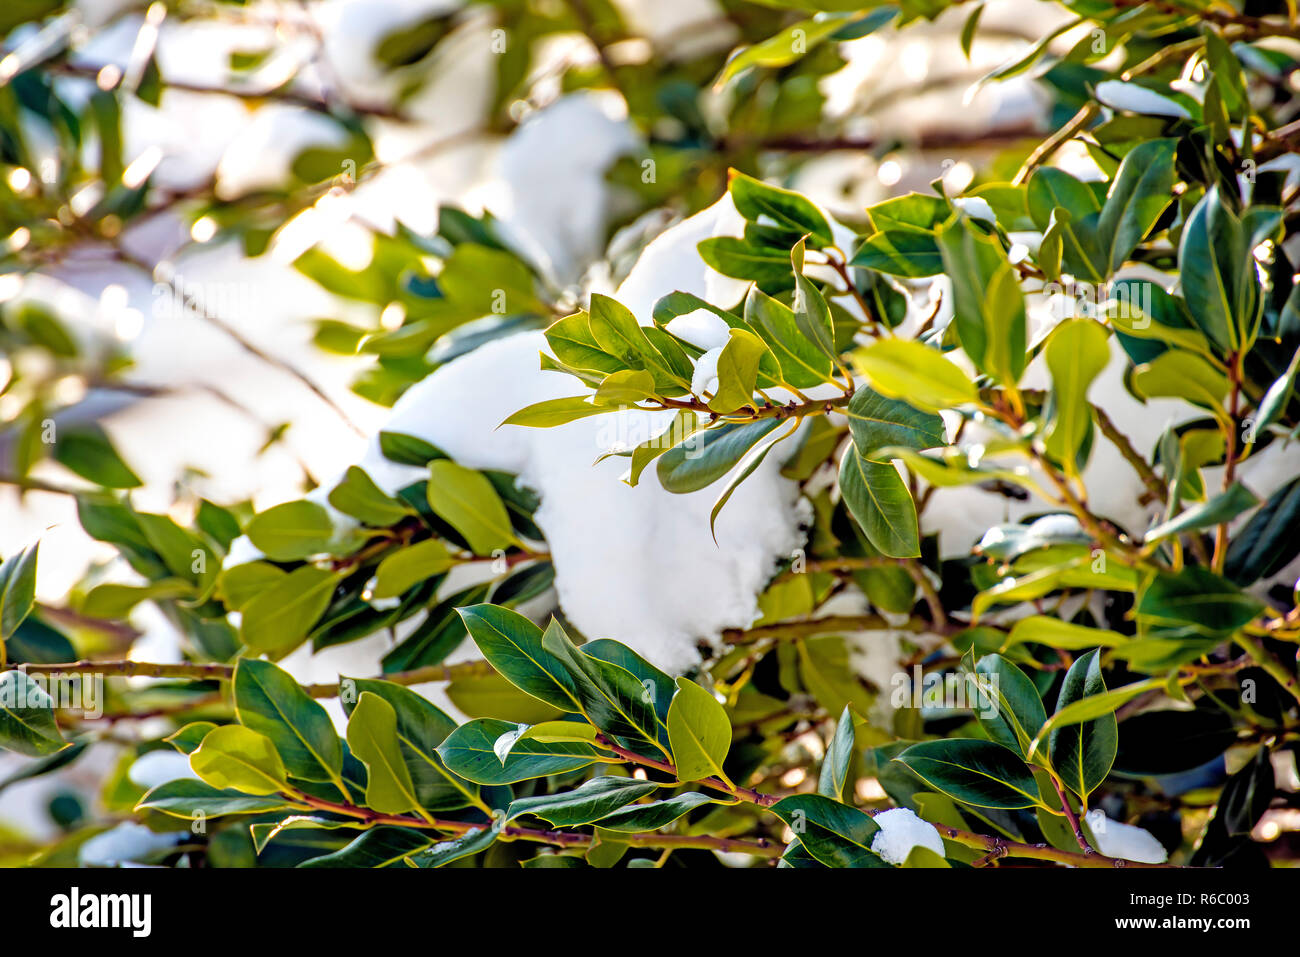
pixel 760 848
pixel 218 672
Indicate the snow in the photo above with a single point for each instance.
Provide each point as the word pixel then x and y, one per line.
pixel 158 767
pixel 1124 840
pixel 705 377
pixel 638 565
pixel 1133 98
pixel 900 831
pixel 125 843
pixel 556 201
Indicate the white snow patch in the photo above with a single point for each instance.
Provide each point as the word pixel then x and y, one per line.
pixel 159 767
pixel 1133 98
pixel 1124 840
pixel 126 843
pixel 900 831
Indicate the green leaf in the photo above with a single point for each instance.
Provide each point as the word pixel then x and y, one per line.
pixel 1057 199
pixel 1092 707
pixel 881 504
pixel 618 334
pixel 1008 706
pixel 1046 630
pixel 233 756
pixel 832 833
pixel 445 852
pixel 1222 508
pixel 187 798
pixel 699 733
pixel 357 495
pixel 408 449
pixel 269 701
pixel 610 697
pixel 469 751
pixel 978 773
pixel 1082 754
pixel 278 619
pixel 590 801
pixel 27 722
pixel 468 502
pixel 916 373
pixel 86 450
pixel 377 847
pixel 834 776
pixel 812 316
pixel 291 531
pixel 113 601
pixel 552 412
pixel 1076 352
pixel 513 646
pixel 1139 193
pixel 737 371
pixel 1268 541
pixel 707 456
pixel 1193 602
pixel 190 736
pixel 756 200
pixel 17 590
pixel 801 362
pixel 625 387
pixel 421 728
pixel 655 814
pixel 1183 375
pixel 988 307
pixel 372 736
pixel 409 566
pixel 781 49
pixel 1278 395
pixel 240 584
pixel 877 422
pixel 1218 271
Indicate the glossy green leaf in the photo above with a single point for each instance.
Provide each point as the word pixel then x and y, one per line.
pixel 187 798
pixel 357 495
pixel 1082 754
pixel 235 757
pixel 881 504
pixel 372 737
pixel 1077 351
pixel 468 502
pixel 590 801
pixel 1221 508
pixel 699 732
pixel 834 776
pixel 17 590
pixel 278 619
pixel 513 645
pixel 915 373
pixel 655 814
pixel 877 422
pixel 27 722
pixel 756 200
pixel 469 751
pixel 409 566
pixel 978 773
pixel 707 456
pixel 832 833
pixel 291 531
pixel 269 701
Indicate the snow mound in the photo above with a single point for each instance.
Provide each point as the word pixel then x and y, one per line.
pixel 900 831
pixel 638 565
pixel 1124 840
